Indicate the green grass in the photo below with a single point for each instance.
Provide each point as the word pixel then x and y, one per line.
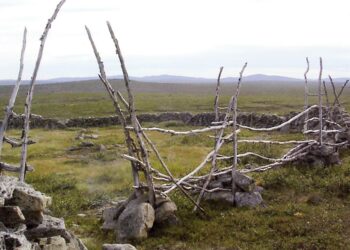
pixel 306 208
pixel 90 99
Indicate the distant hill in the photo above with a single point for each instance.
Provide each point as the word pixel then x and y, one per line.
pixel 174 79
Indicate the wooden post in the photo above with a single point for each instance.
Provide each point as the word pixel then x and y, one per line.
pixel 28 104
pixel 11 104
pixel 320 102
pixel 306 94
pixel 134 120
pixel 128 139
pixel 234 127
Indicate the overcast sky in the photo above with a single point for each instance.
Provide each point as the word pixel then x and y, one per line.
pixel 182 37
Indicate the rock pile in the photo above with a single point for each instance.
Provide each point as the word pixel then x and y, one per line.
pixel 247 193
pixel 24 224
pixel 132 219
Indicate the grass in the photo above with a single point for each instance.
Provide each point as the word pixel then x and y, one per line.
pixel 90 99
pixel 305 208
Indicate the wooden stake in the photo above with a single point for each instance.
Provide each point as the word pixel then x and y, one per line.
pixel 128 139
pixel 134 120
pixel 306 93
pixel 28 104
pixel 320 111
pixel 11 104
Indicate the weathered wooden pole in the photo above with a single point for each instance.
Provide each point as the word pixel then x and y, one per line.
pixel 28 104
pixel 234 130
pixel 320 109
pixel 134 120
pixel 11 104
pixel 128 139
pixel 306 94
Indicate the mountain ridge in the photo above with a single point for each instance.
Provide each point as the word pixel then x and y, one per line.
pixel 165 78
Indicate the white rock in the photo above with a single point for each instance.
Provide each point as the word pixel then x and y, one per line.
pixel 118 247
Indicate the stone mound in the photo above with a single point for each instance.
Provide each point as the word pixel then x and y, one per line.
pixel 24 224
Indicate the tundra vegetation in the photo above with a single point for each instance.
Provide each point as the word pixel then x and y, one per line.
pixel 305 206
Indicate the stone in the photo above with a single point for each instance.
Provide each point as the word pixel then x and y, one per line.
pixel 53 243
pixel 102 148
pixel 86 144
pixel 2 228
pixel 165 213
pixel 11 216
pixel 222 196
pixel 118 247
pixel 323 150
pixel 161 199
pixel 258 189
pixel 244 182
pixel 215 184
pixel 50 227
pixel 135 221
pixel 245 199
pixel 111 214
pixel 342 136
pixel 226 179
pixel 15 241
pixel 76 244
pixel 2 201
pixel 33 218
pixel 28 199
pixel 109 220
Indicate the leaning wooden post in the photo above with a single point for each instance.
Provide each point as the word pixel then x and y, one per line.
pixel 217 93
pixel 134 120
pixel 306 94
pixel 234 128
pixel 128 139
pixel 219 142
pixel 9 108
pixel 28 104
pixel 320 102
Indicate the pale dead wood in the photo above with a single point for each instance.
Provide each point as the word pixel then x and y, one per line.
pixel 172 179
pixel 15 115
pixel 341 90
pixel 189 132
pixel 323 131
pixel 247 154
pixel 336 100
pixel 15 169
pixel 276 142
pixel 28 104
pixel 217 93
pixel 234 127
pixel 306 93
pixel 16 144
pixel 326 94
pixel 320 110
pixel 326 121
pixel 134 119
pixel 281 125
pixel 193 172
pixel 11 104
pixel 128 139
pixel 219 135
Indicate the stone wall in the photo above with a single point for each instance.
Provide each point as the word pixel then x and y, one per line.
pixel 202 119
